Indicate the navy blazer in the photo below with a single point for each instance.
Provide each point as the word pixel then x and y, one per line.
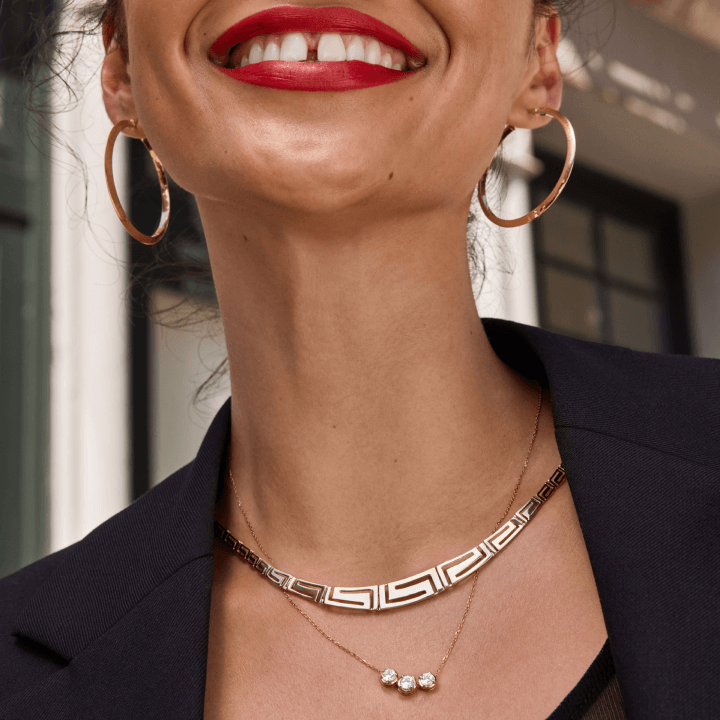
pixel 116 626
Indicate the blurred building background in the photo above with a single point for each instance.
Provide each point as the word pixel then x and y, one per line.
pixel 98 401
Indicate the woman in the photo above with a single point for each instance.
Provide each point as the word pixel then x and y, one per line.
pixel 377 427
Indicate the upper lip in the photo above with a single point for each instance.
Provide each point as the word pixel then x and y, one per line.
pixel 290 18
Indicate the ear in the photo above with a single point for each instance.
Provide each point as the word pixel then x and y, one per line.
pixel 541 86
pixel 115 82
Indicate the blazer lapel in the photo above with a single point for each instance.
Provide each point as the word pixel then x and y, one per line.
pixel 639 436
pixel 129 608
pixel 149 664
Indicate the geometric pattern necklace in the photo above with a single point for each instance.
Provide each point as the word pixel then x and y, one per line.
pixel 408 590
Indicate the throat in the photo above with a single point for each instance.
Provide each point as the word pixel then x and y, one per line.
pixel 382 495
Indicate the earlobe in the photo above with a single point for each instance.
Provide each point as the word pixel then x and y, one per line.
pixel 541 85
pixel 116 89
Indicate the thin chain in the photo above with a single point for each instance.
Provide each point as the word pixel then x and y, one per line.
pixel 497 526
pixel 328 637
pixel 242 510
pixel 475 574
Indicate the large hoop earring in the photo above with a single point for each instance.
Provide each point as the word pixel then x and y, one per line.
pixel 165 213
pixel 553 196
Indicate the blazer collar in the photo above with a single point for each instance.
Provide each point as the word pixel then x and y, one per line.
pixel 120 562
pixel 667 403
pixel 130 604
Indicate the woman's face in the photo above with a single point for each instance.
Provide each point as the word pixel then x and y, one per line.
pixel 423 141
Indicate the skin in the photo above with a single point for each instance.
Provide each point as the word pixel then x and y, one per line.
pixel 374 431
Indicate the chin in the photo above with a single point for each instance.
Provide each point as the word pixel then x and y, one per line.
pixel 326 186
pixel 315 181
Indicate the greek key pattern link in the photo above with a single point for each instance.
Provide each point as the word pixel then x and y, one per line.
pixel 411 589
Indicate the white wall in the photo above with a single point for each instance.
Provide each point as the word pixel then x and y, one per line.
pixel 181 360
pixel 88 473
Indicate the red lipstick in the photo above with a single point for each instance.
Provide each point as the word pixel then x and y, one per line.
pixel 314 76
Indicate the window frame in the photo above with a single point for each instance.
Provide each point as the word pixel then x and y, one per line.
pixel 607 195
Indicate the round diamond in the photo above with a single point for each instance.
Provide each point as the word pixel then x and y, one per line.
pixel 389 677
pixel 407 684
pixel 427 681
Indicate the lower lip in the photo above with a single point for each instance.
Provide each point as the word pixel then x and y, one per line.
pixel 316 76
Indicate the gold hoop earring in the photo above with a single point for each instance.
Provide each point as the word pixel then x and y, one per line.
pixel 165 213
pixel 553 196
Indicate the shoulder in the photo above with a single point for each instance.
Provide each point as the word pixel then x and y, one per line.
pixel 17 588
pixel 47 605
pixel 592 362
pixel 131 599
pixel 667 402
pixel 22 660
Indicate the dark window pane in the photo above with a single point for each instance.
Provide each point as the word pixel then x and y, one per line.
pixel 635 321
pixel 608 262
pixel 629 253
pixel 571 304
pixel 567 233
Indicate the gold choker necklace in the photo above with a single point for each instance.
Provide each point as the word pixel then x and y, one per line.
pixel 411 589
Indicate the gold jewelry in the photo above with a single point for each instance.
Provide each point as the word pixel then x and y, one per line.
pixel 165 213
pixel 467 564
pixel 553 196
pixel 401 592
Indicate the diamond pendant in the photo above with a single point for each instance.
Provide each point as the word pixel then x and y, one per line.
pixel 389 678
pixel 407 684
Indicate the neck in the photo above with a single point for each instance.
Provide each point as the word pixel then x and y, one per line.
pixel 369 410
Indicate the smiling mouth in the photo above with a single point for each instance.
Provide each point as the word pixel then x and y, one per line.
pixel 331 49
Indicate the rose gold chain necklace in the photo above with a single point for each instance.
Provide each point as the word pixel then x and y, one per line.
pixel 401 592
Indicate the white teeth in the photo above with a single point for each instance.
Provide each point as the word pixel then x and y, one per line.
pixel 256 54
pixel 373 54
pixel 355 50
pixel 331 48
pixel 294 48
pixel 272 51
